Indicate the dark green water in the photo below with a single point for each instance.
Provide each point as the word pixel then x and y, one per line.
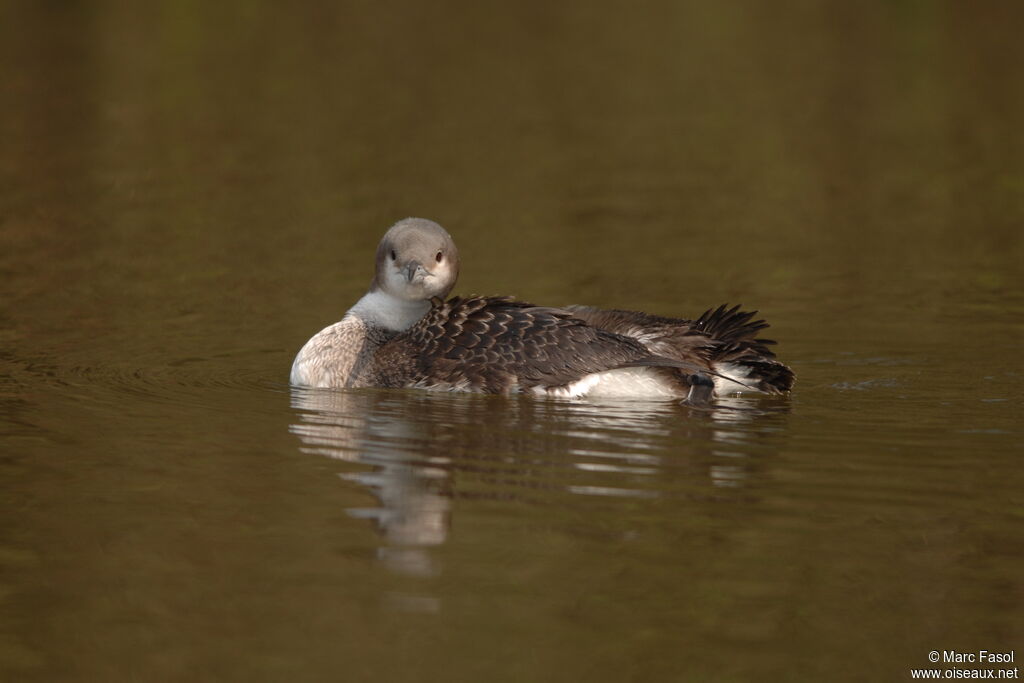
pixel 189 190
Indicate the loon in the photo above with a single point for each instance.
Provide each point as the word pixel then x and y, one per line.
pixel 403 334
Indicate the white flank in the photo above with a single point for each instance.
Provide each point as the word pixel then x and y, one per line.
pixel 737 379
pixel 621 383
pixel 328 358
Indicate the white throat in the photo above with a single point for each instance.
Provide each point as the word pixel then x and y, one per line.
pixel 385 310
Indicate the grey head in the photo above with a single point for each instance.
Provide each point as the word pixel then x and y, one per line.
pixel 416 260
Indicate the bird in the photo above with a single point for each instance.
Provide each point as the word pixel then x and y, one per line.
pixel 404 333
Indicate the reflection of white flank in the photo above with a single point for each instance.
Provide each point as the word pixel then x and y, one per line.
pixel 635 458
pixel 601 467
pixel 727 475
pixel 610 491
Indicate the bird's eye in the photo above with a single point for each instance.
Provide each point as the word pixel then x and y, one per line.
pixel 393 257
pixel 439 257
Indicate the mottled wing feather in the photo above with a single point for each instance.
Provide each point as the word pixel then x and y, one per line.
pixel 497 344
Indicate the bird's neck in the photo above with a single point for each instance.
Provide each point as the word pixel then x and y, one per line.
pixel 387 311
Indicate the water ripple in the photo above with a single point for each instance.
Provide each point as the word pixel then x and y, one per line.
pixel 151 379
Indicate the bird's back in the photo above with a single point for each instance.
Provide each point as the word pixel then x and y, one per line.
pixel 499 345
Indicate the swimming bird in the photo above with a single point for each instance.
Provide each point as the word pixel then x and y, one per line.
pixel 403 334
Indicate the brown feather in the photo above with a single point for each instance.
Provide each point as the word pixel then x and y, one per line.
pixel 499 345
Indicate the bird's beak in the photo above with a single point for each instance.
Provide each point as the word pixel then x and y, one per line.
pixel 413 269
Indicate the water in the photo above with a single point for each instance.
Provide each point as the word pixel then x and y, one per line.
pixel 189 191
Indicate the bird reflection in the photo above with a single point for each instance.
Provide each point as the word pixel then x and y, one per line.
pixel 411 486
pixel 427 449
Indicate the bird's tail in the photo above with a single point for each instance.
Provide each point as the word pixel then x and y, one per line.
pixel 740 359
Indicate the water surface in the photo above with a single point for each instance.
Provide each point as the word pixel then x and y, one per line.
pixel 189 191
